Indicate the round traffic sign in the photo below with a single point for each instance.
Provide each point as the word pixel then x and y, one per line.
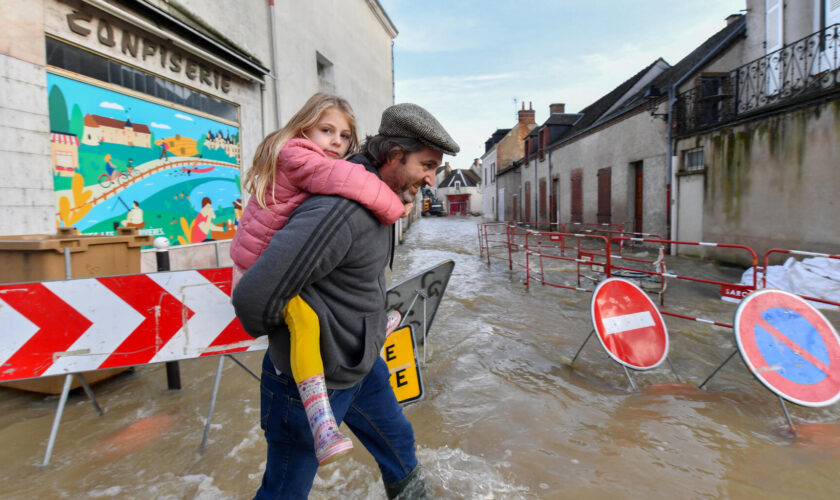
pixel 789 346
pixel 628 324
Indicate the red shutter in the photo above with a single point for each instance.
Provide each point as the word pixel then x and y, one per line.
pixel 577 195
pixel 543 214
pixel 526 210
pixel 604 194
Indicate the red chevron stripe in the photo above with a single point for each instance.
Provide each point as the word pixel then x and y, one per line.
pixel 163 316
pixel 233 332
pixel 221 277
pixel 59 327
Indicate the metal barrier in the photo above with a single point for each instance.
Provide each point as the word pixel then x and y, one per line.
pixel 803 253
pixel 484 240
pixel 663 275
pixel 585 256
pixel 590 225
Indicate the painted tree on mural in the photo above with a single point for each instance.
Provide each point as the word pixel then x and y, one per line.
pixel 77 121
pixel 58 111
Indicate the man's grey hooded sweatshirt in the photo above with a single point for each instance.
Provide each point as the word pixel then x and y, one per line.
pixel 332 252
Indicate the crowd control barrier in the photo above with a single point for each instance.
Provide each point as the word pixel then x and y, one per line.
pixel 755 316
pixel 545 245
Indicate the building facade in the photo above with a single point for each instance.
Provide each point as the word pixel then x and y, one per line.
pixel 755 142
pixel 108 102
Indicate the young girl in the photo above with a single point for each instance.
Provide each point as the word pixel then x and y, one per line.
pixel 290 164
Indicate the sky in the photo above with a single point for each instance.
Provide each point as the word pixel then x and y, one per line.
pixel 472 63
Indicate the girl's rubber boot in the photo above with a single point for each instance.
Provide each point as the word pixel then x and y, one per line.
pixel 330 443
pixel 392 322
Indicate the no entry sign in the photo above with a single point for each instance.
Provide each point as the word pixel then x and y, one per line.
pixel 789 346
pixel 629 325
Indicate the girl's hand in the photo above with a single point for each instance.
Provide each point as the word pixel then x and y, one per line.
pixel 408 208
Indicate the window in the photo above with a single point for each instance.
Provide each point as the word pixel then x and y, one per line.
pixel 493 172
pixel 692 160
pixel 62 55
pixel 326 79
pixel 457 185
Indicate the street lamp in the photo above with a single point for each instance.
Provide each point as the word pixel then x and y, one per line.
pixel 652 95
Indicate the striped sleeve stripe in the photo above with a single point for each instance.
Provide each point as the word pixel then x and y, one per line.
pixel 319 238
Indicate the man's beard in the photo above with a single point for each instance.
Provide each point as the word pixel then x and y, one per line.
pixel 406 196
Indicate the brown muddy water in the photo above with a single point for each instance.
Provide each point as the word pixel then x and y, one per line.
pixel 503 415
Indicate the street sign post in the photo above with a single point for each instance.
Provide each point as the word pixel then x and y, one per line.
pixel 629 325
pixel 790 347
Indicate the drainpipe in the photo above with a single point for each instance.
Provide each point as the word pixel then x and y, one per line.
pixel 274 64
pixel 550 189
pixel 670 175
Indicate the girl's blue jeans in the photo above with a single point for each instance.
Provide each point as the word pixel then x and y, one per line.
pixel 369 409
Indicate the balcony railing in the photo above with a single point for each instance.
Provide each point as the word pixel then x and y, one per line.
pixel 807 66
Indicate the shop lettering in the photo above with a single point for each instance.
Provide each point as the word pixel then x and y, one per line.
pixel 143 49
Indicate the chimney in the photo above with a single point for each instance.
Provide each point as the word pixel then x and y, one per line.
pixel 527 116
pixel 558 108
pixel 448 169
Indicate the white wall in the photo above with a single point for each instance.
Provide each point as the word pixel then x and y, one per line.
pixel 488 165
pixel 26 188
pixel 349 35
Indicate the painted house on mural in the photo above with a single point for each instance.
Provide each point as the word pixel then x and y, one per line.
pixel 461 189
pixel 164 103
pixel 509 151
pixel 609 163
pixel 757 135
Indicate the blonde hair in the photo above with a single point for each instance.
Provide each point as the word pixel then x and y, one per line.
pixel 263 172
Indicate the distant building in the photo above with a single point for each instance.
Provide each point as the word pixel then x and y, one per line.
pixel 461 189
pixel 509 151
pixel 248 65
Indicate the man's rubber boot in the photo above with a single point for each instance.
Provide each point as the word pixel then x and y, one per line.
pixel 411 487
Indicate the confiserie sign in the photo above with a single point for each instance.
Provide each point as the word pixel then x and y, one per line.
pixel 145 51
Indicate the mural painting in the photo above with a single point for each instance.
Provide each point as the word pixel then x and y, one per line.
pixel 119 161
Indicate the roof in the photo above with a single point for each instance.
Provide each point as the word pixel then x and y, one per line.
pixel 467 177
pixel 563 119
pixel 594 114
pixel 688 63
pixel 96 120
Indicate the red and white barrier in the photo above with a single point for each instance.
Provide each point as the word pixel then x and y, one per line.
pixel 62 327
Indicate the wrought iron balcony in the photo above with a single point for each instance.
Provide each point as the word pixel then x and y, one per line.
pixel 806 67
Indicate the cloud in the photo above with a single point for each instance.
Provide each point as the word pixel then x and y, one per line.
pixel 160 125
pixel 111 105
pixel 184 117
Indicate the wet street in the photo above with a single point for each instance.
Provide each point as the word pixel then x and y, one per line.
pixel 503 415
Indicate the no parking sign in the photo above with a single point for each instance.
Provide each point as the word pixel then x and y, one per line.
pixel 790 347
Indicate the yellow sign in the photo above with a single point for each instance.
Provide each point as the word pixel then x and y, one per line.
pixel 398 353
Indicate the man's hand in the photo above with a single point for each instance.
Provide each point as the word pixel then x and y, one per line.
pixel 408 208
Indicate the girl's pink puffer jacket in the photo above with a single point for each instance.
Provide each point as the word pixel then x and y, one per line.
pixel 304 169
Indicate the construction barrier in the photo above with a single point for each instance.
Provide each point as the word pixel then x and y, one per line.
pixel 551 246
pixel 73 326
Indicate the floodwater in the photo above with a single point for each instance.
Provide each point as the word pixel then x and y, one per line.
pixel 503 415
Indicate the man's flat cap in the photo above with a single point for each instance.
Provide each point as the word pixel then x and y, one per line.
pixel 410 120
